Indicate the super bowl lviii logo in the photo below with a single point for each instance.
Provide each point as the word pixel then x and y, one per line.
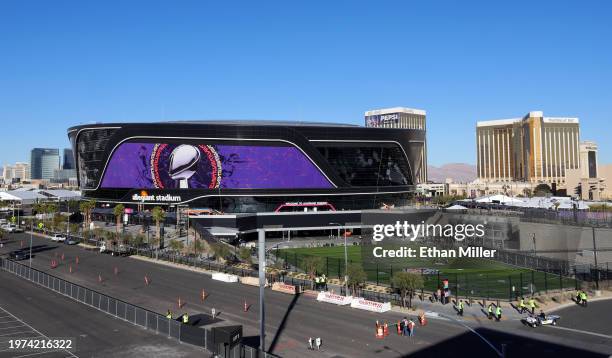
pixel 185 166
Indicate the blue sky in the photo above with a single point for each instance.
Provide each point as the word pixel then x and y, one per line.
pixel 69 62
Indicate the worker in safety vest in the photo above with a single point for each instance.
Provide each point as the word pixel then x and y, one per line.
pixel 169 314
pixel 579 296
pixel 185 318
pixel 460 308
pixel 498 313
pixel 584 298
pixel 490 311
pixel 521 305
pixel 532 305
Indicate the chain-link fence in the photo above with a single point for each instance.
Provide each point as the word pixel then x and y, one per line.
pixel 131 313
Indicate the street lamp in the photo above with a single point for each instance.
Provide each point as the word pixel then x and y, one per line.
pixel 345 258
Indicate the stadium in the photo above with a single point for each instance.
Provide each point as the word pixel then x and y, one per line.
pixel 247 166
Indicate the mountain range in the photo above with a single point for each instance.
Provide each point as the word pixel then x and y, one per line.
pixel 459 172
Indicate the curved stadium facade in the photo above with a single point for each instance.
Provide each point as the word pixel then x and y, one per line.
pixel 247 166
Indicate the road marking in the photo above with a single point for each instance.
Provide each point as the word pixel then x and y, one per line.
pixel 581 331
pixel 19 325
pixel 12 333
pixel 70 354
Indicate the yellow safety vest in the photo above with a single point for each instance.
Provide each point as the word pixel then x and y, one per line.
pixel 185 319
pixel 169 316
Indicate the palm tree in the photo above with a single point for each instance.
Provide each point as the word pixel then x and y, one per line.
pixel 86 207
pixel 118 212
pixel 158 215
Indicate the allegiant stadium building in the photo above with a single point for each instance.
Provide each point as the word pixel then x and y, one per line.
pixel 247 166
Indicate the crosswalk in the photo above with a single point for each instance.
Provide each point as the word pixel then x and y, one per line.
pixel 12 328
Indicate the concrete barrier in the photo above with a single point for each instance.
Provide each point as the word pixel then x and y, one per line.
pixel 373 306
pixel 334 298
pixel 282 287
pixel 220 276
pixel 251 281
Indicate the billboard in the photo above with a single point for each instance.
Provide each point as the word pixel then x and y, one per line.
pixel 210 166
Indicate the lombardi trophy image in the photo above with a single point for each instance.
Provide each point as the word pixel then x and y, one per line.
pixel 183 164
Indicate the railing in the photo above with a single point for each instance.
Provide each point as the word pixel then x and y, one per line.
pixel 131 313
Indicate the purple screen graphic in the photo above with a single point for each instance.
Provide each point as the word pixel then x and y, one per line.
pixel 201 166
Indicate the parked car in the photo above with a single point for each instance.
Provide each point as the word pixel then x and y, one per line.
pixel 19 255
pixel 71 241
pixel 12 229
pixel 58 238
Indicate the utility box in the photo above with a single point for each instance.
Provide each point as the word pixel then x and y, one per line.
pixel 228 335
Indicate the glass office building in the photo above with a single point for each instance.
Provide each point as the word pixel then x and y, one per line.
pixel 43 163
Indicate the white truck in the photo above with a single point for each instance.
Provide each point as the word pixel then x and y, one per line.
pixel 114 249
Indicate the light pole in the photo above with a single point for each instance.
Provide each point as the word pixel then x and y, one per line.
pixel 345 258
pixel 261 240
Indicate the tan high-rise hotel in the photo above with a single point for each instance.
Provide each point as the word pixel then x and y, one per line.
pixel 534 148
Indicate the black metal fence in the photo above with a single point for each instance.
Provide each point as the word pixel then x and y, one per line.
pixel 131 313
pixel 491 284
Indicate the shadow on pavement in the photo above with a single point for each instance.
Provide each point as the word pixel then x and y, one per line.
pixel 283 322
pixel 470 345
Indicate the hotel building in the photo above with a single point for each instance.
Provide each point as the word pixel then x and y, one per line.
pixel 534 149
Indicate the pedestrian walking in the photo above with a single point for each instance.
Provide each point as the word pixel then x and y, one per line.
pixel 498 313
pixel 521 305
pixel 318 343
pixel 411 328
pixel 532 305
pixel 438 295
pixel 310 343
pixel 405 327
pixel 460 308
pixel 490 311
pixel 584 298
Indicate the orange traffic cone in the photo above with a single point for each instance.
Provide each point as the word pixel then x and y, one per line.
pixel 386 329
pixel 70 268
pixel 99 278
pixel 203 296
pixel 379 332
pixel 146 279
pixel 246 306
pixel 77 260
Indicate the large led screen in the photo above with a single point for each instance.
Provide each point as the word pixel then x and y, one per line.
pixel 210 166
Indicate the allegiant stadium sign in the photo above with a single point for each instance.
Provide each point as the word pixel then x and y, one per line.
pixel 143 196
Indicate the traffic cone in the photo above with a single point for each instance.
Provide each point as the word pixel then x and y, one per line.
pixel 246 306
pixel 70 268
pixel 99 278
pixel 146 279
pixel 180 303
pixel 203 296
pixel 77 260
pixel 62 256
pixel 379 332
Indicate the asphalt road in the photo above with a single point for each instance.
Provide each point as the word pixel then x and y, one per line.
pixel 290 320
pixel 29 311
